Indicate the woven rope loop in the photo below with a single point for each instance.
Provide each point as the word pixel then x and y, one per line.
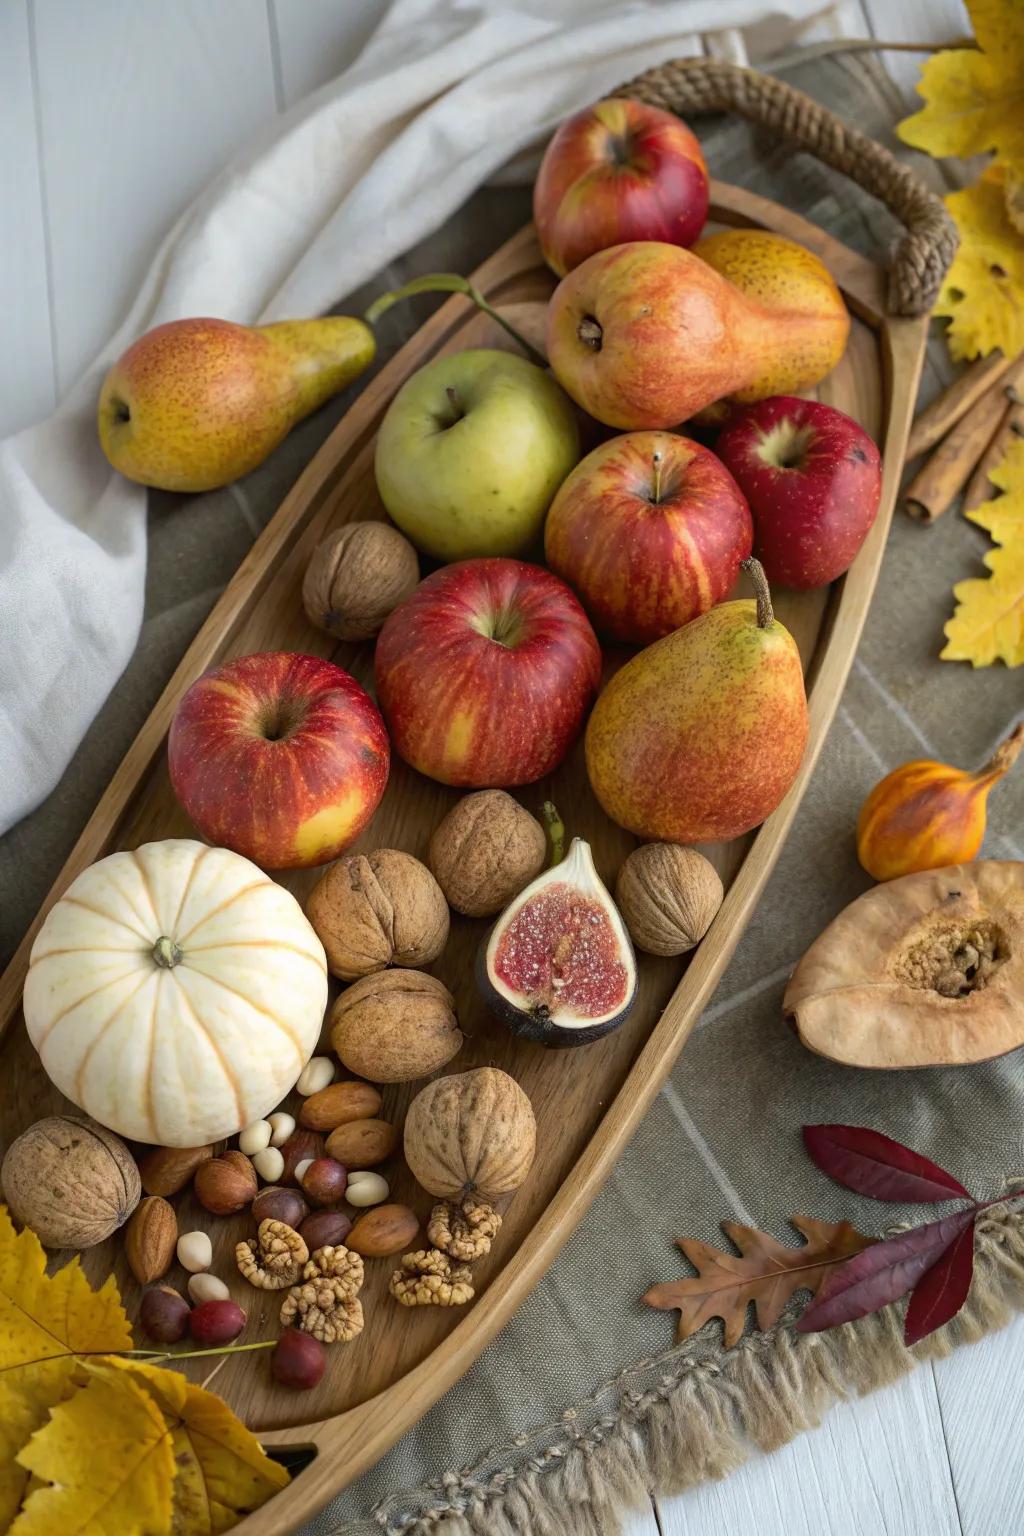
pixel 922 257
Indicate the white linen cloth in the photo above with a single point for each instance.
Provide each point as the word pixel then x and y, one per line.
pixel 443 94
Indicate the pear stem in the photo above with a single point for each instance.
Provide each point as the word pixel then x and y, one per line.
pixel 765 612
pixel 555 827
pixel 451 282
pixel 656 460
pixel 1005 755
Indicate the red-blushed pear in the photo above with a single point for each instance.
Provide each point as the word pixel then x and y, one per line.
pixel 280 757
pixel 485 673
pixel 698 738
pixel 813 479
pixel 647 334
pixel 649 531
pixel 618 171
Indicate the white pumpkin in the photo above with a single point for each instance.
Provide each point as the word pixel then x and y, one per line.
pixel 175 993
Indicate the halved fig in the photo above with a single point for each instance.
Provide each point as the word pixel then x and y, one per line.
pixel 923 971
pixel 558 965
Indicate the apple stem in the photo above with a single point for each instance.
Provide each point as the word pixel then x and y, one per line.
pixel 755 570
pixel 556 832
pixel 656 460
pixel 451 282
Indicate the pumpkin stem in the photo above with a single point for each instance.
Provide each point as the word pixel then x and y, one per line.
pixel 1005 755
pixel 166 953
pixel 765 613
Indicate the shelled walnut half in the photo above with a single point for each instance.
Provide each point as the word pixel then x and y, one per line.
pixel 464 1231
pixel 427 1278
pixel 325 1303
pixel 273 1259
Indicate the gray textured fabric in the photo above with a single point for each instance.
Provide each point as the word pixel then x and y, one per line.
pixel 722 1140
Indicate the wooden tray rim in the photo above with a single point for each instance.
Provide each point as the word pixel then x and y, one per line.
pixel 352 1441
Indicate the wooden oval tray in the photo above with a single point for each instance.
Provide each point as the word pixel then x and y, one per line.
pixel 587 1102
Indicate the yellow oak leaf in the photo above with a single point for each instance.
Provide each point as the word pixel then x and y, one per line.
pixel 1003 516
pixel 44 1319
pixel 107 1458
pixel 223 1472
pixel 983 292
pixel 974 98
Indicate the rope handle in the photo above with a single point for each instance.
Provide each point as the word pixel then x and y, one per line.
pixel 924 252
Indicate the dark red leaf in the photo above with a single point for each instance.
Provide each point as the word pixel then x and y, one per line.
pixel 875 1165
pixel 882 1273
pixel 941 1290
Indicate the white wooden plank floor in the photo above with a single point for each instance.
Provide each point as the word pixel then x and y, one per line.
pixel 111 118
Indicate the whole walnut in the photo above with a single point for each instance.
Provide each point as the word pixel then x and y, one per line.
pixel 668 897
pixel 356 577
pixel 72 1181
pixel 395 1027
pixel 378 909
pixel 486 851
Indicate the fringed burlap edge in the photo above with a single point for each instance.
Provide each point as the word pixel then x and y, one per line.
pixel 698 1412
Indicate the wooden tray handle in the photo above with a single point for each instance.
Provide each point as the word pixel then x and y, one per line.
pixel 923 254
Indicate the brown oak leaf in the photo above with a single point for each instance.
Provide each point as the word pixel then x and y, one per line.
pixel 764 1271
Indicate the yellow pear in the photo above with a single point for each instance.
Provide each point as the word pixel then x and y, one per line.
pixel 197 403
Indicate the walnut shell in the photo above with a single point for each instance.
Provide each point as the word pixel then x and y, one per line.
pixel 669 897
pixel 472 1132
pixel 395 1026
pixel 486 851
pixel 356 577
pixel 378 909
pixel 72 1181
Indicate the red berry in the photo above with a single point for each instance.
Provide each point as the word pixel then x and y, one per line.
pixel 216 1322
pixel 298 1360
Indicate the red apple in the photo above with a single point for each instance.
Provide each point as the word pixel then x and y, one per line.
pixel 282 758
pixel 485 673
pixel 649 531
pixel 813 479
pixel 618 171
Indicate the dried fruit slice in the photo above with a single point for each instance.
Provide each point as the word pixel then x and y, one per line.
pixel 923 971
pixel 558 966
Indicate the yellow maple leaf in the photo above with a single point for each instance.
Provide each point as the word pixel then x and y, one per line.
pixel 43 1320
pixel 1003 516
pixel 983 292
pixel 223 1471
pixel 107 1458
pixel 974 98
pixel 988 624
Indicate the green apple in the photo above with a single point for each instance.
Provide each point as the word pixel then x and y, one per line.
pixel 471 452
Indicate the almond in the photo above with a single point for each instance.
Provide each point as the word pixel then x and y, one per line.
pixel 227 1183
pixel 301 1147
pixel 385 1230
pixel 165 1170
pixel 150 1239
pixel 362 1143
pixel 339 1104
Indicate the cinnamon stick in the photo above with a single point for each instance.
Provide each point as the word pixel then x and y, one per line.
pixel 943 476
pixel 980 488
pixel 946 410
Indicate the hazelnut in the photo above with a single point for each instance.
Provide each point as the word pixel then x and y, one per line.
pixel 325 1229
pixel 668 897
pixel 297 1360
pixel 485 851
pixel 226 1184
pixel 363 1143
pixel 324 1181
pixel 216 1322
pixel 163 1315
pixel 356 577
pixel 378 909
pixel 276 1204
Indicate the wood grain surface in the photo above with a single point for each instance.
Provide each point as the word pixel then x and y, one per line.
pixel 587 1102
